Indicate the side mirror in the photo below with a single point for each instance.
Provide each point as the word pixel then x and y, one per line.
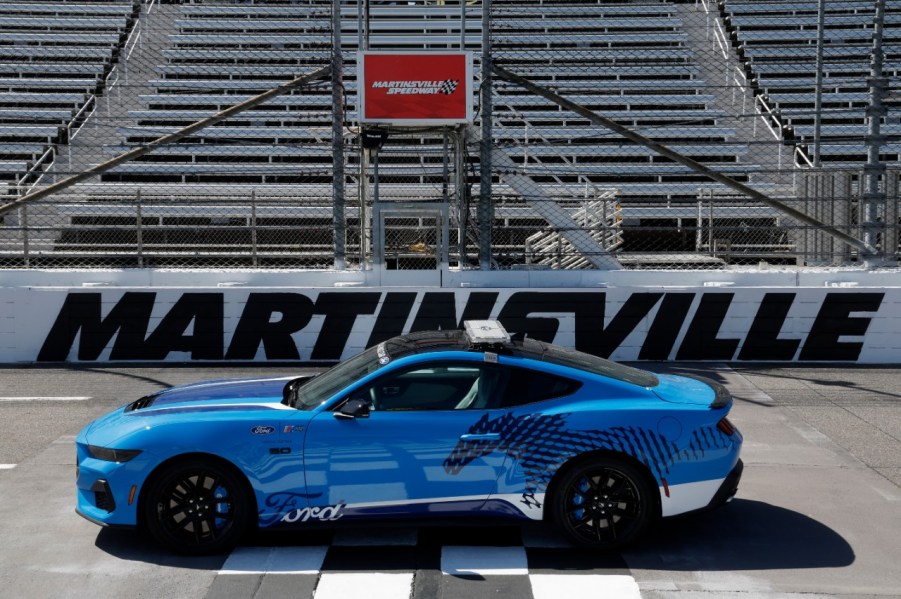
pixel 354 408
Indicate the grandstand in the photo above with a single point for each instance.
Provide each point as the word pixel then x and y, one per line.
pixel 779 56
pixel 86 81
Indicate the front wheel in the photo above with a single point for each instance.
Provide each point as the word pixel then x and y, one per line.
pixel 603 504
pixel 196 507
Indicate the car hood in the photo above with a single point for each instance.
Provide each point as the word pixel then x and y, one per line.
pixel 209 396
pixel 693 390
pixel 228 399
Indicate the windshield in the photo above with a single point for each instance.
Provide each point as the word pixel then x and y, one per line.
pixel 331 381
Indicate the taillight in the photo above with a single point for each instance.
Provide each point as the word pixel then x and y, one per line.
pixel 726 427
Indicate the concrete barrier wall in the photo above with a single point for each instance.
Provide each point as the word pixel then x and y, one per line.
pixel 204 317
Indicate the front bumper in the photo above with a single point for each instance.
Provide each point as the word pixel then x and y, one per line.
pixel 107 492
pixel 102 523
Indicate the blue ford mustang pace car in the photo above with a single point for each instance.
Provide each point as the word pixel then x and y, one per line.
pixel 450 423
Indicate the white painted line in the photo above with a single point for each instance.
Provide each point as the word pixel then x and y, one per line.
pixel 334 585
pixel 275 560
pixel 34 398
pixel 887 496
pixel 7 466
pixel 484 561
pixel 554 586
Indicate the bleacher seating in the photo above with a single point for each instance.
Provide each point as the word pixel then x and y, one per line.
pixel 54 59
pixel 777 41
pixel 221 54
pixel 634 62
pixel 217 56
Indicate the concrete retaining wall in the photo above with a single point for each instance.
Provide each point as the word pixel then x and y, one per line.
pixel 153 316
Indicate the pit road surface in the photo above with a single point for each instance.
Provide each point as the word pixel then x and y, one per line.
pixel 818 513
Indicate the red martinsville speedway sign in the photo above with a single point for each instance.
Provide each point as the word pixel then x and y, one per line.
pixel 406 88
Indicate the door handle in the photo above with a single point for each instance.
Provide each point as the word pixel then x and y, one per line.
pixel 480 437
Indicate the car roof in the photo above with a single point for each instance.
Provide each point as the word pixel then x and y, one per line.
pixel 457 340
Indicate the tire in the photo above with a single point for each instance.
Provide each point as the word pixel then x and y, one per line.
pixel 603 504
pixel 197 507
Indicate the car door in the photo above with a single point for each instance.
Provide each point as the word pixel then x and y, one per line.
pixel 536 434
pixel 408 454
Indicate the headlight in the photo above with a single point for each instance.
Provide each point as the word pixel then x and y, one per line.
pixel 112 455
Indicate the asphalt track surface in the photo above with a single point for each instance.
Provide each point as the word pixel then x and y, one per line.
pixel 818 513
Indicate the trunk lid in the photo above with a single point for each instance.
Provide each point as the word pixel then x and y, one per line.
pixel 692 390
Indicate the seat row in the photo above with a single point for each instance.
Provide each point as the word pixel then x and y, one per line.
pixel 641 69
pixel 778 44
pixel 54 59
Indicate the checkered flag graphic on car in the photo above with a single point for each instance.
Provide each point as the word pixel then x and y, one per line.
pixel 541 443
pixel 448 87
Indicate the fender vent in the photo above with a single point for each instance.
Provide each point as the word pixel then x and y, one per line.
pixel 140 404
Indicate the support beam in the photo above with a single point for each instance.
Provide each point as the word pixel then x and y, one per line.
pixel 486 111
pixel 872 196
pixel 339 224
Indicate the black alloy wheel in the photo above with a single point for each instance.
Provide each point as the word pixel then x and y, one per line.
pixel 197 507
pixel 603 504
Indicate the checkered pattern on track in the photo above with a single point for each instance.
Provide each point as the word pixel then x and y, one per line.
pixel 420 563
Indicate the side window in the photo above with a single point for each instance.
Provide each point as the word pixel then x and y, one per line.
pixel 528 386
pixel 432 387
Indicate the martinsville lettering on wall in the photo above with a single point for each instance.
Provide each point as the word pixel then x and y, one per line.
pixel 682 325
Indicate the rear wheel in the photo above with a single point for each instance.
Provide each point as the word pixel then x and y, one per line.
pixel 603 503
pixel 197 507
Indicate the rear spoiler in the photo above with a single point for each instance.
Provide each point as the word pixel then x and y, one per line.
pixel 722 397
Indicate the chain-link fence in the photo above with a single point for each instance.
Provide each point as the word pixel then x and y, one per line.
pixel 224 133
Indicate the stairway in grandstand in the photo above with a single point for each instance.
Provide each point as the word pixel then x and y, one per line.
pixel 637 63
pixel 56 62
pixel 630 62
pixel 258 185
pixel 776 41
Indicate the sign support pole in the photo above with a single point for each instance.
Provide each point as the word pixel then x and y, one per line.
pixel 486 207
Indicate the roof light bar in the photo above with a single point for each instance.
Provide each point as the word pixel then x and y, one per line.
pixel 486 332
